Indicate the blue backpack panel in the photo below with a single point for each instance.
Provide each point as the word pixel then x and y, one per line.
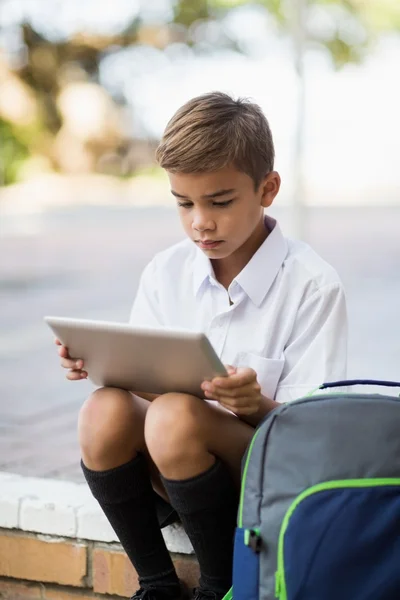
pixel 319 516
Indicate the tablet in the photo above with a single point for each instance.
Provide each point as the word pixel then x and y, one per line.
pixel 139 359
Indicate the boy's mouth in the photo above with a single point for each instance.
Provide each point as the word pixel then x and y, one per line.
pixel 208 244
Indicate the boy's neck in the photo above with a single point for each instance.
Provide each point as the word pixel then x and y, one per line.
pixel 226 269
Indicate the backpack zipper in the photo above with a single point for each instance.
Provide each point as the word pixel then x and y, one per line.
pixel 228 595
pixel 244 477
pixel 252 539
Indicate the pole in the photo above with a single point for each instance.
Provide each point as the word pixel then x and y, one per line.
pixel 299 217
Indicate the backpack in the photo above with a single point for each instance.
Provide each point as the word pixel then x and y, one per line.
pixel 319 514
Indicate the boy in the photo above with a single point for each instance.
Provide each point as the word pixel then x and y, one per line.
pixel 273 310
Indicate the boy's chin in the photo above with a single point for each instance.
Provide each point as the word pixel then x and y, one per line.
pixel 217 253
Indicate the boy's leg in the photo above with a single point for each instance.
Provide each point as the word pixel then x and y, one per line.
pixel 198 448
pixel 114 462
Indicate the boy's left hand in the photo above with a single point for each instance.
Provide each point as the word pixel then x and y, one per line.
pixel 239 392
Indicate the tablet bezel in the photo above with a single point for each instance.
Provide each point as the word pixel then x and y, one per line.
pixel 167 359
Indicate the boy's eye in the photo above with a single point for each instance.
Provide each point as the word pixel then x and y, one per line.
pixel 225 203
pixel 190 204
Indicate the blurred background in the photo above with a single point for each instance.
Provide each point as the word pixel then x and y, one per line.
pixel 86 89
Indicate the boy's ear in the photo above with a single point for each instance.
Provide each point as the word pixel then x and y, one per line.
pixel 269 188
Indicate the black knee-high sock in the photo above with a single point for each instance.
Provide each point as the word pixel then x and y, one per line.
pixel 126 498
pixel 207 505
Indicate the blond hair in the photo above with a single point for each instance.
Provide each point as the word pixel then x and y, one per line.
pixel 213 131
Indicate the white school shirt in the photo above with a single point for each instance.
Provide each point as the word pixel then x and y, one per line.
pixel 288 319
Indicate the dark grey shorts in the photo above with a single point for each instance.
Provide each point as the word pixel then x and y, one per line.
pixel 165 513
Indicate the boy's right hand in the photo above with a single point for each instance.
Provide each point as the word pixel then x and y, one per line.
pixel 74 365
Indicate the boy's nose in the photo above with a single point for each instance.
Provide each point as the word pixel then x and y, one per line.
pixel 202 223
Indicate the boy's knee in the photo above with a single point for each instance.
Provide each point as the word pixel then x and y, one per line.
pixel 108 427
pixel 173 428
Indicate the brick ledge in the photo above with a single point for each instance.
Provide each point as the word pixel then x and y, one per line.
pixel 36 567
pixel 64 509
pixel 56 544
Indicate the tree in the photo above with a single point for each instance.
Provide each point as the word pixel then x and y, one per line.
pixel 53 61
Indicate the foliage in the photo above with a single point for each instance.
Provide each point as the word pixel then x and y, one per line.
pixel 14 151
pixel 349 28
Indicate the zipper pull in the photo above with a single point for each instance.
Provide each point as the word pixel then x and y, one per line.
pixel 253 540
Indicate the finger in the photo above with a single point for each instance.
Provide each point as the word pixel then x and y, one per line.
pixel 248 408
pixel 57 341
pixel 70 363
pixel 238 379
pixel 230 370
pixel 74 375
pixel 230 393
pixel 239 392
pixel 63 351
pixel 229 400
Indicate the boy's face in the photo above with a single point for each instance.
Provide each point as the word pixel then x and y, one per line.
pixel 221 211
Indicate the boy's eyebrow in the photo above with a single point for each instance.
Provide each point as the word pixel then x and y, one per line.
pixel 216 194
pixel 177 195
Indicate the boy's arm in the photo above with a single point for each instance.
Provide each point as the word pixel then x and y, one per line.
pixel 266 406
pixel 146 311
pixel 316 350
pixel 240 393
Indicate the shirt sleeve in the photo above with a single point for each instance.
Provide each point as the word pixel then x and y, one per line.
pixel 146 311
pixel 316 351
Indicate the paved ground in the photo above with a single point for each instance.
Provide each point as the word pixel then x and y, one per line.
pixel 85 262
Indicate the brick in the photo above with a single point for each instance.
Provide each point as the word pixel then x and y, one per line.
pixel 11 590
pixel 93 525
pixel 11 492
pixel 59 594
pixel 176 539
pixel 113 573
pixel 9 511
pixel 47 517
pixel 24 557
pixel 41 505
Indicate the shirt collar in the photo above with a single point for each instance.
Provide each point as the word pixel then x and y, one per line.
pixel 257 276
pixel 202 270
